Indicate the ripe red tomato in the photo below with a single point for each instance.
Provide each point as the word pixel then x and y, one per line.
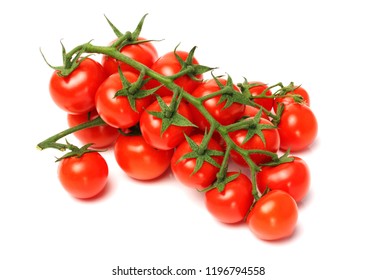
pixel 271 137
pixel 289 100
pixel 183 170
pixel 117 112
pixel 85 176
pixel 298 127
pixel 75 93
pixel 251 111
pixel 151 126
pixel 223 115
pixel 144 53
pixel 267 103
pixel 274 216
pixel 292 177
pixel 232 204
pixel 168 65
pixel 101 136
pixel 140 160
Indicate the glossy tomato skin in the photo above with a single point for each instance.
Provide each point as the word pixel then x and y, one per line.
pixel 140 160
pixel 274 216
pixel 83 177
pixel 232 204
pixel 145 53
pixel 298 127
pixel 224 116
pixel 292 177
pixel 75 93
pixel 150 126
pixel 117 112
pixel 267 103
pixel 272 144
pixel 289 100
pixel 183 169
pixel 101 136
pixel 168 65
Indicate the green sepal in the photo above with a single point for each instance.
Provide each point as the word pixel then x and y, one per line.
pixel 220 184
pixel 280 160
pixel 77 152
pixel 201 154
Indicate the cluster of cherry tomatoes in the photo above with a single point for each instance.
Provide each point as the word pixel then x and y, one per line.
pixel 161 115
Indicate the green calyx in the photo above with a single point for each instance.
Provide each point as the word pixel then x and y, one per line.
pixel 77 152
pixel 169 113
pixel 188 66
pixel 201 153
pixel 134 91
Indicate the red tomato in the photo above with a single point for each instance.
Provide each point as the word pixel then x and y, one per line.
pixel 292 177
pixel 223 115
pixel 232 204
pixel 144 53
pixel 101 136
pixel 267 103
pixel 151 126
pixel 298 127
pixel 117 112
pixel 140 160
pixel 75 93
pixel 251 111
pixel 255 142
pixel 183 170
pixel 85 176
pixel 289 100
pixel 168 65
pixel 274 216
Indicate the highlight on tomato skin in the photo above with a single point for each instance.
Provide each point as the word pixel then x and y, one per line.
pixel 274 216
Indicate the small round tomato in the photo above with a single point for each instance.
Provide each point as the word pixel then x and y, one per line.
pixel 232 204
pixel 183 169
pixel 101 136
pixel 140 160
pixel 117 111
pixel 169 65
pixel 84 176
pixel 274 216
pixel 298 127
pixel 75 93
pixel 213 105
pixel 151 126
pixel 257 90
pixel 288 99
pixel 251 111
pixel 272 142
pixel 292 177
pixel 145 53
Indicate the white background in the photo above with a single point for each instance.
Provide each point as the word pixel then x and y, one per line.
pixel 327 46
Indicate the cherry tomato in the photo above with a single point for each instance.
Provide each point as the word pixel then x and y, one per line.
pixel 140 160
pixel 101 136
pixel 267 103
pixel 75 93
pixel 298 127
pixel 289 100
pixel 151 126
pixel 271 137
pixel 251 111
pixel 274 216
pixel 144 53
pixel 117 112
pixel 292 177
pixel 232 204
pixel 168 65
pixel 85 176
pixel 223 115
pixel 183 169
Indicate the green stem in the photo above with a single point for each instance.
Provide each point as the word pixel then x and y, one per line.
pixel 51 141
